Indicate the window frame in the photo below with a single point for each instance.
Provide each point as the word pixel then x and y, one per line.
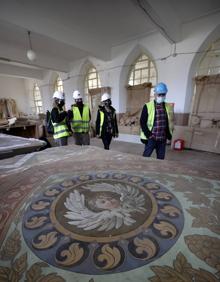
pixel 37 100
pixel 150 67
pixel 58 86
pixel 95 82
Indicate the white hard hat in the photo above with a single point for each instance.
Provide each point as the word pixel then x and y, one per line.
pixel 58 95
pixel 77 95
pixel 105 97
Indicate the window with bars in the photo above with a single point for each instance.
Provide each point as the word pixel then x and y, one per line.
pixel 37 100
pixel 58 84
pixel 92 80
pixel 143 70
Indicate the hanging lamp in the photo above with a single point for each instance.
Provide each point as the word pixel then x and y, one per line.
pixel 31 55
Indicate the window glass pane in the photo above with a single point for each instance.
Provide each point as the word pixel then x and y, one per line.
pixel 60 88
pixel 99 83
pixel 144 57
pixel 90 84
pixel 143 64
pixel 37 100
pixel 144 73
pixel 59 84
pixel 140 71
pixel 137 74
pixel 92 75
pixel 131 82
pixel 92 80
pixel 137 81
pixel 153 80
pixel 152 72
pixel 143 80
pixel 152 65
pixel 92 70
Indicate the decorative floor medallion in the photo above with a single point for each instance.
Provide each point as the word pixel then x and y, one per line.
pixel 100 223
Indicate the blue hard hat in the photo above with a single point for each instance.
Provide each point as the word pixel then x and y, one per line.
pixel 160 88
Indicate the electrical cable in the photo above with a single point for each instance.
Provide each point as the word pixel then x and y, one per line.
pixel 174 54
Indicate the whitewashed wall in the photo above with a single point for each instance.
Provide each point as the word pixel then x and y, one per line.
pixel 176 71
pixel 11 87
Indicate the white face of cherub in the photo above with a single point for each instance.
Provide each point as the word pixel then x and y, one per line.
pixel 107 203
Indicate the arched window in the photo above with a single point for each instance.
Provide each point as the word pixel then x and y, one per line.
pixel 205 111
pixel 59 84
pixel 143 70
pixel 92 80
pixel 210 62
pixel 37 99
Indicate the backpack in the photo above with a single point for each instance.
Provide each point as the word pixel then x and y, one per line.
pixel 49 125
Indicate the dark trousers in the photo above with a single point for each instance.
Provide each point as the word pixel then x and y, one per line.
pixel 81 138
pixel 63 141
pixel 106 139
pixel 159 146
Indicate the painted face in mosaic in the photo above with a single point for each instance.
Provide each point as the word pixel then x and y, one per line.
pixel 105 202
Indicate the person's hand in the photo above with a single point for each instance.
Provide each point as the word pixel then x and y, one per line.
pixel 116 135
pixel 152 137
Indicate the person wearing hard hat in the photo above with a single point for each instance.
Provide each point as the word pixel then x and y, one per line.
pixel 156 123
pixel 80 117
pixel 58 118
pixel 106 122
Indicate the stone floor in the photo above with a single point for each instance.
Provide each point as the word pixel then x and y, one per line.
pixel 193 158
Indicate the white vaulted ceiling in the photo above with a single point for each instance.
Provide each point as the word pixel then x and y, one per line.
pixel 67 30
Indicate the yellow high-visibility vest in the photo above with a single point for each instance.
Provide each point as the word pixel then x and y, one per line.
pixel 151 114
pixel 102 116
pixel 80 124
pixel 60 129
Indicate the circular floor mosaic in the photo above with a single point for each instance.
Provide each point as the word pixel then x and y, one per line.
pixel 102 223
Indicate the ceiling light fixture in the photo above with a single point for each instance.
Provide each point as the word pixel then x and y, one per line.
pixel 31 55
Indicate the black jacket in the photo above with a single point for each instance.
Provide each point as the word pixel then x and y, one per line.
pixel 57 116
pixel 114 122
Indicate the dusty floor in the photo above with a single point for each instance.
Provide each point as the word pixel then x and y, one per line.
pixel 193 158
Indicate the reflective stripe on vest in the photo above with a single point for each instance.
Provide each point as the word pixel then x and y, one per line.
pixel 60 129
pixel 80 123
pixel 170 114
pixel 151 114
pixel 102 115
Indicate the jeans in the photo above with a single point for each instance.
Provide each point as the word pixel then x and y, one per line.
pixel 159 146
